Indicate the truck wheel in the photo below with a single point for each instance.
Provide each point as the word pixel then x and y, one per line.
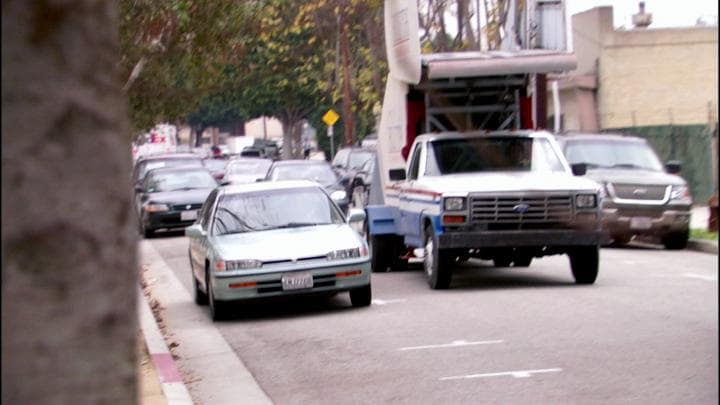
pixel 676 240
pixel 584 263
pixel 522 260
pixel 438 264
pixel 381 253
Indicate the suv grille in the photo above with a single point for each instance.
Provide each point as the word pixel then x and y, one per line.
pixel 639 191
pixel 530 211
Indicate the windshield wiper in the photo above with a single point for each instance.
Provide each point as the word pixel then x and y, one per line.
pixel 297 225
pixel 626 166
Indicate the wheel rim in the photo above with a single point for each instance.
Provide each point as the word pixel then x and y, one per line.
pixel 429 258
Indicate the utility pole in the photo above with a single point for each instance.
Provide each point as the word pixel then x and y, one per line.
pixel 349 125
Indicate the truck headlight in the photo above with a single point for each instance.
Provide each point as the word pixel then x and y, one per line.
pixel 152 207
pixel 680 193
pixel 454 203
pixel 586 201
pixel 343 254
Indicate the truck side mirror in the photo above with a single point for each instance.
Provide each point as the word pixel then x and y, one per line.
pixel 579 169
pixel 397 174
pixel 673 166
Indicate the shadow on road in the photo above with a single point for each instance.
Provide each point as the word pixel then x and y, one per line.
pixel 275 308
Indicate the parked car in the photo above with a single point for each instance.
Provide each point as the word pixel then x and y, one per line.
pixel 147 163
pixel 246 170
pixel 216 166
pixel 271 239
pixel 360 184
pixel 318 171
pixel 348 161
pixel 642 198
pixel 169 198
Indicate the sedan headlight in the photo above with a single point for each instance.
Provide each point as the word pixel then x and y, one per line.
pixel 680 193
pixel 230 265
pixel 344 254
pixel 152 207
pixel 338 195
pixel 454 203
pixel 586 201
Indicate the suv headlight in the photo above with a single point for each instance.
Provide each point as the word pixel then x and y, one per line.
pixel 343 254
pixel 586 201
pixel 454 203
pixel 680 193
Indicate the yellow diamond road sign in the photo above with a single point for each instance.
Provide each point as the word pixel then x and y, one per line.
pixel 330 117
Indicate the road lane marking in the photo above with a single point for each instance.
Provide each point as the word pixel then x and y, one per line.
pixel 385 302
pixel 515 374
pixel 700 276
pixel 457 343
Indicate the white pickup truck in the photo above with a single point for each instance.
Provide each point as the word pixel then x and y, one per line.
pixel 506 196
pixel 461 169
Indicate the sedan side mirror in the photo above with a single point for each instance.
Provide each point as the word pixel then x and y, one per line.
pixel 579 169
pixel 194 230
pixel 673 166
pixel 356 215
pixel 397 174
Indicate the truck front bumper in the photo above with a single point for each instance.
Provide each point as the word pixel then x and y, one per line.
pixel 523 238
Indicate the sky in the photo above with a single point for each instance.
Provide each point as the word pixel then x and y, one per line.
pixel 665 13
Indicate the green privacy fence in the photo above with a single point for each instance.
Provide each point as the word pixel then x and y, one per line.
pixel 690 144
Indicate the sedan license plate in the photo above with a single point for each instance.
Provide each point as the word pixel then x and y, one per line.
pixel 188 215
pixel 640 223
pixel 297 281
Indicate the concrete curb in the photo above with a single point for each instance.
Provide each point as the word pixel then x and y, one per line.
pixel 702 245
pixel 171 382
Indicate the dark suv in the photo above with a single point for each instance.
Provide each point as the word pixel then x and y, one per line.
pixel 642 197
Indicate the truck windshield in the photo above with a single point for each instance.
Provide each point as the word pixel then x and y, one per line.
pixel 492 154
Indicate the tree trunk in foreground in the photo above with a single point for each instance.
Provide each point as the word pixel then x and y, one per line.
pixel 69 271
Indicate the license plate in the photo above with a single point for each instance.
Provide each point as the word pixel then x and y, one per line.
pixel 297 281
pixel 188 215
pixel 640 223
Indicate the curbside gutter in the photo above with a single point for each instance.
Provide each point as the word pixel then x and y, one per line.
pixel 171 382
pixel 703 245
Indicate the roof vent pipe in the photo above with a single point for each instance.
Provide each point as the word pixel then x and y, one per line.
pixel 642 19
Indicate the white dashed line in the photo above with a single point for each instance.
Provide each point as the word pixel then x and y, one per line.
pixel 514 374
pixel 700 276
pixel 385 302
pixel 457 343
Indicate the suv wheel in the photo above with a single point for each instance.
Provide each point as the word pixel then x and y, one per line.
pixel 676 240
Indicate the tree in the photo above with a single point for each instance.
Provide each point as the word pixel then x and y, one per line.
pixel 69 267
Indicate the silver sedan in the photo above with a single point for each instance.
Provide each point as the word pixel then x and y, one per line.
pixel 275 238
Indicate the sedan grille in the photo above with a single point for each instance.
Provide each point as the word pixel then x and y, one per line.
pixel 522 211
pixel 184 207
pixel 639 191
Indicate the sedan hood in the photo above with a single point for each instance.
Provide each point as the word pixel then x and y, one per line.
pixel 194 196
pixel 284 244
pixel 506 182
pixel 630 176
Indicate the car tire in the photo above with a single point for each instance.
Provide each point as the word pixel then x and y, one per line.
pixel 502 261
pixel 437 263
pixel 522 260
pixel 217 308
pixel 381 253
pixel 584 263
pixel 676 240
pixel 199 296
pixel 620 240
pixel 361 297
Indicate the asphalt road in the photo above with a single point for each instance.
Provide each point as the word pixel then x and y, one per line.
pixel 645 332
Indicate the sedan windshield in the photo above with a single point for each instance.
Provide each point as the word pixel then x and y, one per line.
pixel 492 154
pixel 179 180
pixel 357 159
pixel 155 164
pixel 613 154
pixel 275 209
pixel 319 173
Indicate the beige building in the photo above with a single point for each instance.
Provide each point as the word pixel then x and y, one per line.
pixel 638 77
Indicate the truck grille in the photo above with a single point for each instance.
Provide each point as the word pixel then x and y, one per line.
pixel 639 191
pixel 522 212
